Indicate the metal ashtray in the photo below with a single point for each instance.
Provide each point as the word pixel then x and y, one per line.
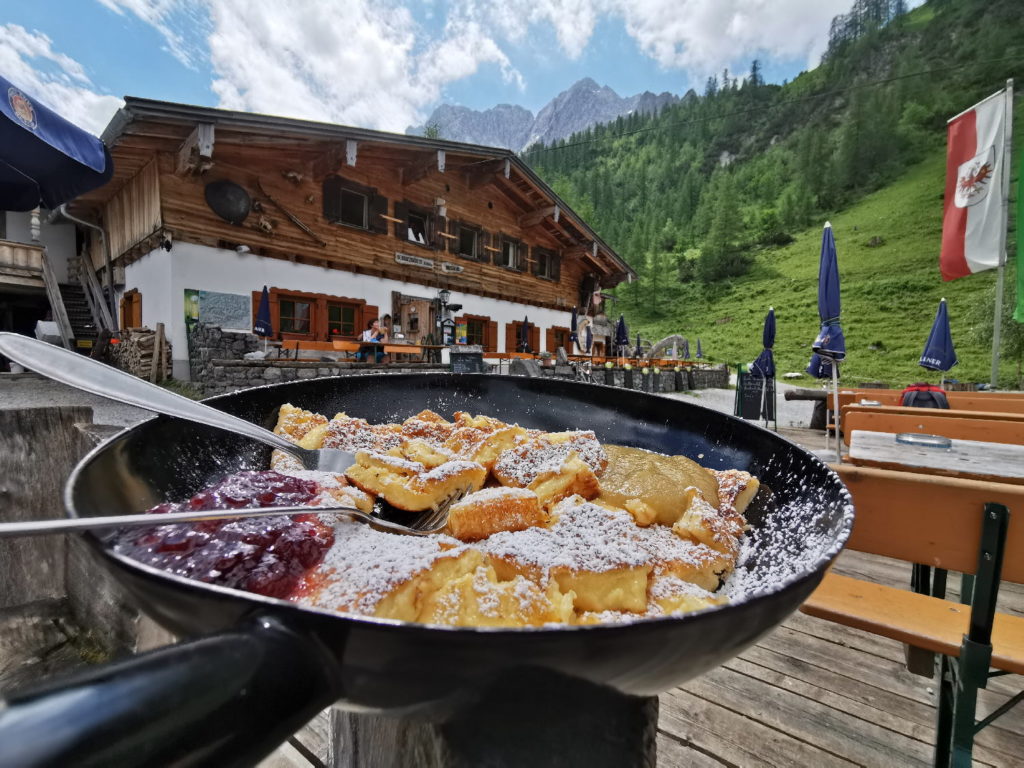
pixel 924 441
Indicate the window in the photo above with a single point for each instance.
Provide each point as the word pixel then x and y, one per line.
pixel 353 208
pixel 341 320
pixel 468 243
pixel 508 256
pixel 354 205
pixel 476 331
pixel 295 316
pixel 561 339
pixel 545 264
pixel 417 228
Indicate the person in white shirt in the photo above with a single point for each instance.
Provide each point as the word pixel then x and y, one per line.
pixel 373 333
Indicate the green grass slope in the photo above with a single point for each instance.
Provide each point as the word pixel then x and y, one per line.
pixel 889 294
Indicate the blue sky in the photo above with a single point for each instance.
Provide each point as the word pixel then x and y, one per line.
pixel 386 63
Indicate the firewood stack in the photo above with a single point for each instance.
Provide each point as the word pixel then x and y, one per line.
pixel 136 353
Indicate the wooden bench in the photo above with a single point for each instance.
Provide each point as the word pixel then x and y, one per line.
pixel 959 401
pixel 300 345
pixel 964 425
pixel 948 524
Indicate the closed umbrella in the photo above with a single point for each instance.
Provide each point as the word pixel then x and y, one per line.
pixel 574 337
pixel 700 354
pixel 524 335
pixel 44 159
pixel 639 352
pixel 939 354
pixel 764 365
pixel 830 342
pixel 686 349
pixel 819 367
pixel 588 340
pixel 262 326
pixel 621 336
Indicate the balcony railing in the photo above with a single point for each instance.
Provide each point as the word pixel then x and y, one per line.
pixel 21 264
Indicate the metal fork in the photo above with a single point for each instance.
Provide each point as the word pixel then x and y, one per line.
pixel 431 521
pixel 80 372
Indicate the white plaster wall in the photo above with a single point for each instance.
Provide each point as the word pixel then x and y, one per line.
pixel 58 238
pixel 163 277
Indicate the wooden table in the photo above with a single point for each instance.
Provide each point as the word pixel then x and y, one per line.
pixel 974 459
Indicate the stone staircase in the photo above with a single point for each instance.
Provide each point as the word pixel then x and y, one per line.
pixel 83 326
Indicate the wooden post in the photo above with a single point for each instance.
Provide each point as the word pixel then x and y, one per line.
pixel 155 373
pixel 526 717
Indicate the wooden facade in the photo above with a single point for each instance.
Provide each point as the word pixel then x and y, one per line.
pixel 439 214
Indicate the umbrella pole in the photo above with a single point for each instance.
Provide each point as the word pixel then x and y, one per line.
pixel 835 406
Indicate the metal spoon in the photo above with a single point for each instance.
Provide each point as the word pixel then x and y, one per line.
pixel 80 372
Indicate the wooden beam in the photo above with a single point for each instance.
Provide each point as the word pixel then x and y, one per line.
pixel 195 155
pixel 420 168
pixel 485 173
pixel 536 217
pixel 325 163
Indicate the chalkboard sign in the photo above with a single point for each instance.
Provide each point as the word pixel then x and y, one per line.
pixel 751 394
pixel 467 362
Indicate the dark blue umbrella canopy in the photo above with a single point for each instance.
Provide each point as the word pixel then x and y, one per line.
pixel 621 334
pixel 639 351
pixel 765 363
pixel 939 354
pixel 263 326
pixel 524 335
pixel 820 367
pixel 44 159
pixel 700 354
pixel 830 342
pixel 686 349
pixel 588 339
pixel 574 336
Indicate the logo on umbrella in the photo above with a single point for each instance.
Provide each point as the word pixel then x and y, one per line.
pixel 22 107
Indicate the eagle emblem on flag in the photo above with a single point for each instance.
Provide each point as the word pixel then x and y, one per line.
pixel 22 107
pixel 973 177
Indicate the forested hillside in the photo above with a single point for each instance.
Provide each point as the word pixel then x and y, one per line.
pixel 717 202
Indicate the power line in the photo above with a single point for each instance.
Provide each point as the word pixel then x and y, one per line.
pixel 755 110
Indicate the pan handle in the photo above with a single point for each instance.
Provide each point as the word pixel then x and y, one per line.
pixel 227 699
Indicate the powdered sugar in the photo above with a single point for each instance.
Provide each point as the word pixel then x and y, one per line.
pixel 533 456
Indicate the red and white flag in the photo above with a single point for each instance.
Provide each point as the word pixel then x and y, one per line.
pixel 974 214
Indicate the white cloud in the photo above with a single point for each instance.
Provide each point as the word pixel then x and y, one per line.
pixel 28 60
pixel 181 22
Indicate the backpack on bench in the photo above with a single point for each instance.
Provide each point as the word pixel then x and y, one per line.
pixel 924 396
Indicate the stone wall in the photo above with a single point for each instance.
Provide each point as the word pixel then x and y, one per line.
pixel 207 343
pixel 221 376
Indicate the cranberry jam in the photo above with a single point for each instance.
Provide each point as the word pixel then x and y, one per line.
pixel 266 555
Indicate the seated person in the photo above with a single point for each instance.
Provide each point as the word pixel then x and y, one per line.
pixel 373 333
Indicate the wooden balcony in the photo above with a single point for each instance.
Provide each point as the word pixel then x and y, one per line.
pixel 21 264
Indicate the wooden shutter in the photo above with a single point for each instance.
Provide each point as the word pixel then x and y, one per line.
pixel 369 313
pixel 402 226
pixel 332 198
pixel 534 338
pixel 484 254
pixel 549 339
pixel 491 336
pixel 556 262
pixel 438 224
pixel 510 337
pixel 376 209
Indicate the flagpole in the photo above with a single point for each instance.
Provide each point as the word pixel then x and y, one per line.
pixel 997 322
pixel 835 406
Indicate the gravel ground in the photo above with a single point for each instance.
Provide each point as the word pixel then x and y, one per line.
pixel 31 391
pixel 791 413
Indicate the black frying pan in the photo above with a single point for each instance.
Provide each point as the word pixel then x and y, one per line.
pixel 262 667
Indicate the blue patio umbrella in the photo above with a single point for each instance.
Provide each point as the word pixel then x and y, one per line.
pixel 44 159
pixel 574 337
pixel 686 349
pixel 524 335
pixel 262 326
pixel 621 335
pixel 588 340
pixel 939 354
pixel 819 367
pixel 639 351
pixel 700 354
pixel 830 342
pixel 764 365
